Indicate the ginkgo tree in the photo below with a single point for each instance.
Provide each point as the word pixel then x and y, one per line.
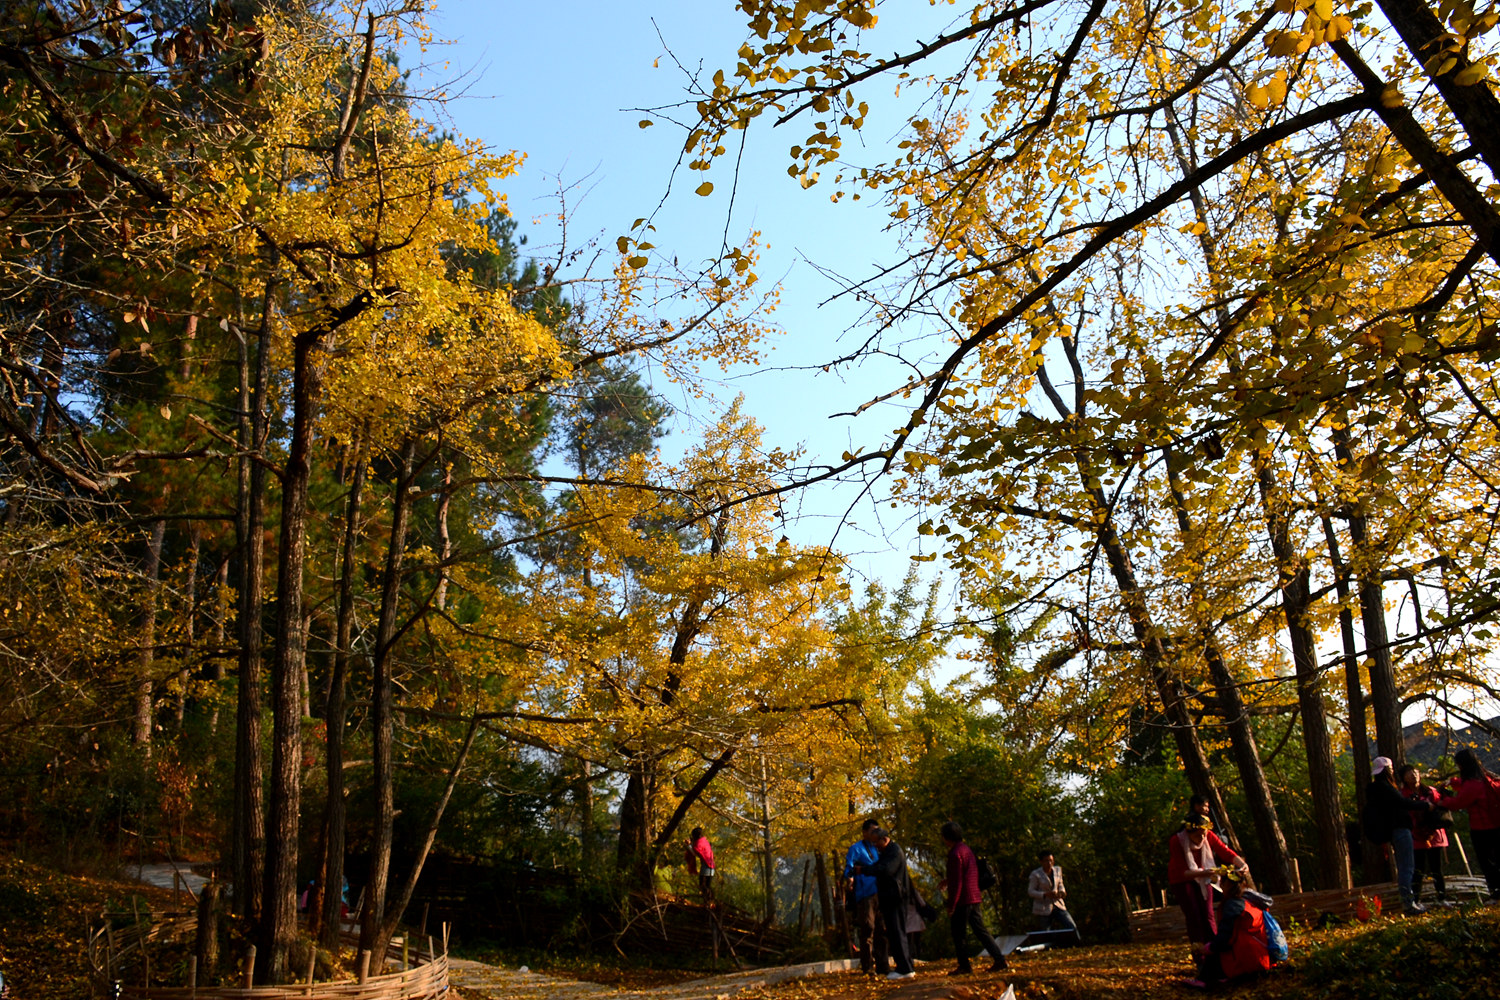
pixel 1202 239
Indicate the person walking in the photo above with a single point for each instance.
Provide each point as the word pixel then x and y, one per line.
pixel 1049 896
pixel 1194 855
pixel 1388 824
pixel 864 906
pixel 1428 840
pixel 961 886
pixel 700 862
pixel 1476 790
pixel 893 889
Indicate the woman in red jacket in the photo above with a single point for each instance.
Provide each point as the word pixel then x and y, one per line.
pixel 1239 948
pixel 700 862
pixel 1192 869
pixel 1475 790
pixel 1427 841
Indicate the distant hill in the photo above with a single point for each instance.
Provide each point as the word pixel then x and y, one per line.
pixel 1426 743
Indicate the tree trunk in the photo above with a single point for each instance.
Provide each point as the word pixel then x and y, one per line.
pixel 221 635
pixel 1474 105
pixel 1367 567
pixel 1328 813
pixel 278 928
pixel 583 798
pixel 768 870
pixel 335 712
pixel 1374 866
pixel 145 720
pixel 249 835
pixel 190 588
pixel 1153 653
pixel 382 721
pixel 825 903
pixel 206 945
pixel 445 541
pixel 633 850
pixel 637 850
pixel 409 886
pixel 1274 870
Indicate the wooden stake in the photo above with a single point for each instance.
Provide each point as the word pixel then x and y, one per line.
pixel 364 964
pixel 249 978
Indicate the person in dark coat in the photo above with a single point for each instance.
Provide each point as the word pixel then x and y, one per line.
pixel 864 906
pixel 1388 823
pixel 962 887
pixel 894 890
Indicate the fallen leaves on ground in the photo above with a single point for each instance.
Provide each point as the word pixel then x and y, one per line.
pixel 43 915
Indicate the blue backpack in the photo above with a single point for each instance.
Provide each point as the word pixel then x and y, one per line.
pixel 1275 939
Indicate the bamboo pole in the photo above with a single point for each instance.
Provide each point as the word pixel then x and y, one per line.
pixel 249 967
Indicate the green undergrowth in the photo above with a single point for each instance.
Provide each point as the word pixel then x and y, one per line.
pixel 1453 955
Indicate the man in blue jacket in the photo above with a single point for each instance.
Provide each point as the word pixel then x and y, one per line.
pixel 864 908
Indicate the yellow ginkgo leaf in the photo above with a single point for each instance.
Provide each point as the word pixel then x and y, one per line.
pixel 1470 75
pixel 705 189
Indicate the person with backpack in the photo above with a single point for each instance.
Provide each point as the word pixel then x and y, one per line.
pixel 1048 896
pixel 1388 824
pixel 1194 856
pixel 1239 947
pixel 961 884
pixel 1476 790
pixel 1428 839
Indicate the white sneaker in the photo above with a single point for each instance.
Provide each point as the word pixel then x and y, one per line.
pixel 901 975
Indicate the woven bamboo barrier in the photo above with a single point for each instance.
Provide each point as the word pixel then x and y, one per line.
pixel 426 979
pixel 1167 923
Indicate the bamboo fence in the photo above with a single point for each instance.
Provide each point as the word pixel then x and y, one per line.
pixel 108 948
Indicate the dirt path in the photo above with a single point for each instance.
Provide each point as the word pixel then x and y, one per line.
pixel 829 980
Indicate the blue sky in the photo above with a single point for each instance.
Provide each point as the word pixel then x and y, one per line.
pixel 561 82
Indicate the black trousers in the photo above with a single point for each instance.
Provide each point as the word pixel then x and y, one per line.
pixel 1487 846
pixel 894 912
pixel 963 917
pixel 1428 861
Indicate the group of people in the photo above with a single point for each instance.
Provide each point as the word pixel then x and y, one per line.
pixel 884 902
pixel 1231 935
pixel 1229 922
pixel 1408 820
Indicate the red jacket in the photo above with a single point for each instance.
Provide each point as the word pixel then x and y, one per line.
pixel 1246 950
pixel 1480 796
pixel 1177 855
pixel 963 877
pixel 700 851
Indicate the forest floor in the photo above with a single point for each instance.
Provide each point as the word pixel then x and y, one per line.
pixel 1448 955
pixel 1445 955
